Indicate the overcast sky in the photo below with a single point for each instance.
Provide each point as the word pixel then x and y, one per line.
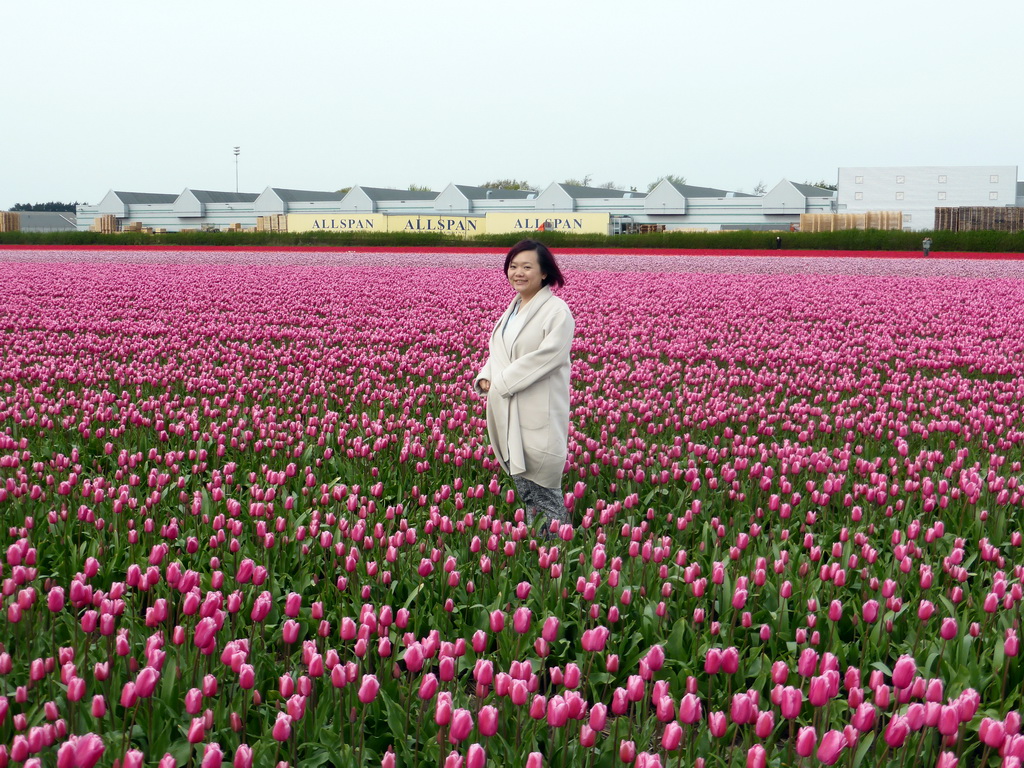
pixel 152 96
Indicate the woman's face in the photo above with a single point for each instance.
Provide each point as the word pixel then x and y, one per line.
pixel 524 274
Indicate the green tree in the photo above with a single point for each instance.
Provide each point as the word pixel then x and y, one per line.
pixel 51 206
pixel 584 182
pixel 343 190
pixel 823 184
pixel 760 188
pixel 419 188
pixel 670 177
pixel 509 184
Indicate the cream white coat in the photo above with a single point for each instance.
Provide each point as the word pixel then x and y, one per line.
pixel 528 402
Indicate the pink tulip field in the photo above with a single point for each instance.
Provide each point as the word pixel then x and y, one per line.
pixel 251 516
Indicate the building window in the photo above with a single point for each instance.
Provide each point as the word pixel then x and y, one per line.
pixel 858 195
pixel 900 179
pixel 993 195
pixel 942 178
pixel 858 179
pixel 908 217
pixel 899 195
pixel 994 178
pixel 942 195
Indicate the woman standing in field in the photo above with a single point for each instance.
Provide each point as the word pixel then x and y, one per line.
pixel 526 378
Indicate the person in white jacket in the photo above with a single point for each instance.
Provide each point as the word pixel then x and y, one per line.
pixel 526 380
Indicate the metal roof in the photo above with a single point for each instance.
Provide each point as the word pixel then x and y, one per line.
pixel 688 190
pixel 206 196
pixel 809 190
pixel 579 192
pixel 379 194
pixel 305 196
pixel 47 221
pixel 144 198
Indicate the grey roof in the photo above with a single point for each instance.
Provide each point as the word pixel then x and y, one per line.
pixel 483 193
pixel 809 190
pixel 305 196
pixel 579 192
pixel 47 221
pixel 378 194
pixel 144 198
pixel 206 196
pixel 688 190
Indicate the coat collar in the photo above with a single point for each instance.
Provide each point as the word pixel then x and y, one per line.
pixel 542 297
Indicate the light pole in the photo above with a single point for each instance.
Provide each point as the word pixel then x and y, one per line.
pixel 237 151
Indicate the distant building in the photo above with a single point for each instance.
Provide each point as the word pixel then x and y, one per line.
pixel 462 208
pixel 47 221
pixel 918 191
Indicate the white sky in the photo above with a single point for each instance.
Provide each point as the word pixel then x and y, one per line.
pixel 152 96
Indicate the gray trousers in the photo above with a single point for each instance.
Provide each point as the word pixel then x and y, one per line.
pixel 540 501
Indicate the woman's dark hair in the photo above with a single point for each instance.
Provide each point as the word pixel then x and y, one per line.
pixel 545 260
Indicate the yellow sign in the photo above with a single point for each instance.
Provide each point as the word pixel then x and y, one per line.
pixel 555 221
pixel 449 225
pixel 337 222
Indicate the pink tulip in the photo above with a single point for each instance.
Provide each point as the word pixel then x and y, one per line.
pixel 368 689
pixel 757 757
pixel 443 709
pixel 791 703
pixel 55 599
pixel 521 620
pixel 212 756
pixel 991 732
pixel 146 682
pixel 243 757
pixel 806 740
pixel 690 709
pixel 461 725
pixel 672 737
pixel 282 730
pixel 534 760
pixel 896 731
pixel 869 611
pixel 88 750
pixel 832 745
pixel 627 751
pixel 476 757
pixel 717 724
pixel 487 720
pixel 497 621
pixel 948 629
pixel 904 671
pixel 1011 644
pixel 764 725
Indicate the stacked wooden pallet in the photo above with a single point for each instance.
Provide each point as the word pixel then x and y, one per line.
pixel 10 221
pixel 973 218
pixel 835 222
pixel 105 224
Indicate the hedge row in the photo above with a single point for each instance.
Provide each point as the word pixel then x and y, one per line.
pixel 849 240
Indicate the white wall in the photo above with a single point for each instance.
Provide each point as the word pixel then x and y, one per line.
pixel 918 190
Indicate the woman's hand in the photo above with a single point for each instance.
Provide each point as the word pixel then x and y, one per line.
pixel 485 385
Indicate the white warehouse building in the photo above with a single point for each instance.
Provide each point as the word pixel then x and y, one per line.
pixel 668 206
pixel 918 190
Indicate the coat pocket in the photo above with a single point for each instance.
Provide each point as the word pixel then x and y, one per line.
pixel 534 406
